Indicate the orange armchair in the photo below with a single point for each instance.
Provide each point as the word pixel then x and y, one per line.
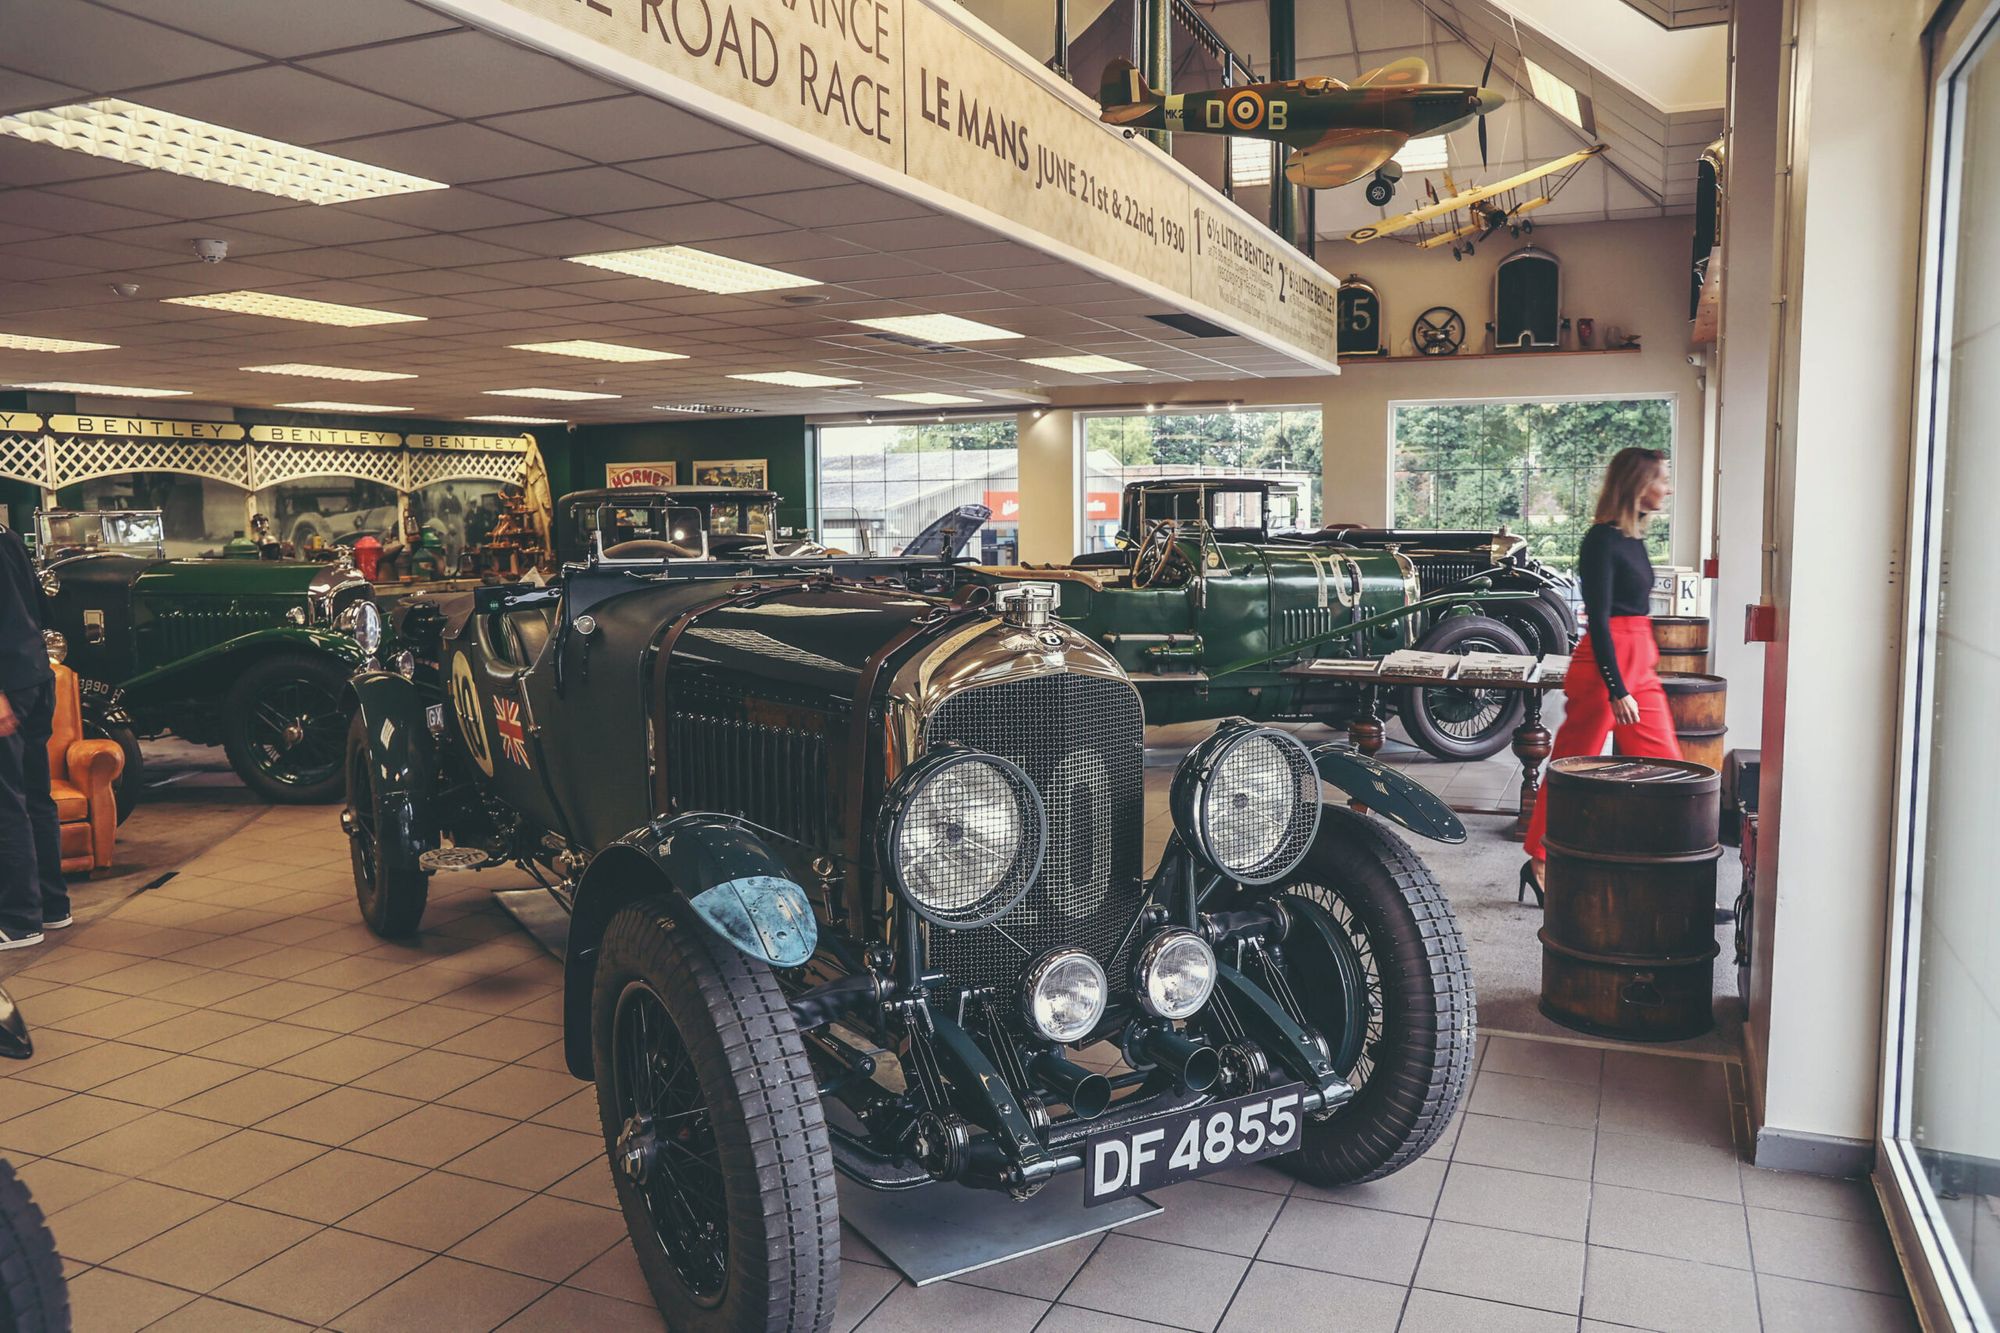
pixel 80 776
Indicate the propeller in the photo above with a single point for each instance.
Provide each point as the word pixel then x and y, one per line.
pixel 1484 75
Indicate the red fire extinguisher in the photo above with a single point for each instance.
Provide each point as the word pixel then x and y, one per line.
pixel 367 556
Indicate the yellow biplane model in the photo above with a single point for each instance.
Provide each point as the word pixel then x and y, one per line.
pixel 1463 218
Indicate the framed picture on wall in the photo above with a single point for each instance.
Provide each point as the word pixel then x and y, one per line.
pixel 749 473
pixel 641 474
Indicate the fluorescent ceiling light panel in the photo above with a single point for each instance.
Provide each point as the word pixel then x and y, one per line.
pixel 597 351
pixel 1423 154
pixel 551 395
pixel 685 266
pixel 1554 94
pixel 162 141
pixel 796 379
pixel 104 390
pixel 1249 162
pixel 27 342
pixel 939 328
pixel 519 421
pixel 708 409
pixel 931 399
pixel 273 306
pixel 321 405
pixel 1083 365
pixel 312 372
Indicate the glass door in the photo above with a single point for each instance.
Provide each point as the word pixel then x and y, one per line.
pixel 1941 1105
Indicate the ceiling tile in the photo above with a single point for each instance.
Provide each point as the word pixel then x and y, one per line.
pixel 101 50
pixel 737 173
pixel 441 251
pixel 561 237
pixel 24 163
pixel 169 195
pixel 281 102
pixel 619 129
pixel 449 210
pixel 465 74
pixel 838 205
pixel 687 224
pixel 62 212
pixel 589 190
pixel 21 92
pixel 334 262
pixel 285 30
pixel 453 154
pixel 317 225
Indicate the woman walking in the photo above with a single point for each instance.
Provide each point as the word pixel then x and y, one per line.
pixel 1612 688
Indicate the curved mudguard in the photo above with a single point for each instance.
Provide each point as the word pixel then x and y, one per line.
pixel 718 875
pixel 223 660
pixel 392 722
pixel 1397 798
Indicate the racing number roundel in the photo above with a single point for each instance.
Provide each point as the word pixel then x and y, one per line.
pixel 1246 109
pixel 471 717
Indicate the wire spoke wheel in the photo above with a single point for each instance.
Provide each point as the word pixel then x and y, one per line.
pixel 1355 935
pixel 1462 722
pixel 284 726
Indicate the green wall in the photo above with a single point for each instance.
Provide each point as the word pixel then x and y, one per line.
pixel 577 463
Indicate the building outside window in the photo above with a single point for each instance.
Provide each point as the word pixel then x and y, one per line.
pixel 1282 444
pixel 1531 466
pixel 879 486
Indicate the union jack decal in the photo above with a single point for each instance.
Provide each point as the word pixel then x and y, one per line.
pixel 513 741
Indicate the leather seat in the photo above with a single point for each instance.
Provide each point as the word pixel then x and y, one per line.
pixel 80 776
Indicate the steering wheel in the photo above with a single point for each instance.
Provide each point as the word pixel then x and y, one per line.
pixel 1159 552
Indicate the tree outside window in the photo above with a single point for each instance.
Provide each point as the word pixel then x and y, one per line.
pixel 1533 467
pixel 1282 444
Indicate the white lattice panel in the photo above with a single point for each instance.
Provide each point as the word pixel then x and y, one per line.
pixel 274 463
pixel 23 458
pixel 80 458
pixel 430 467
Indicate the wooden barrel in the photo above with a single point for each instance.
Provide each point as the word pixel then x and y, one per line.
pixel 1683 643
pixel 1628 933
pixel 1698 704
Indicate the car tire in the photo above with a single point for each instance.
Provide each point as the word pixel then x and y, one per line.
pixel 663 993
pixel 1432 716
pixel 286 687
pixel 1540 626
pixel 1416 1056
pixel 389 886
pixel 129 783
pixel 33 1297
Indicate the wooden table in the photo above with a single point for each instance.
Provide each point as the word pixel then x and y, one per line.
pixel 1532 742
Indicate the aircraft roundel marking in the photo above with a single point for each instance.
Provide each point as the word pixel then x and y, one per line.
pixel 1246 109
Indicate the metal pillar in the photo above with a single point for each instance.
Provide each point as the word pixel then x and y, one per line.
pixel 1060 62
pixel 1156 31
pixel 1285 197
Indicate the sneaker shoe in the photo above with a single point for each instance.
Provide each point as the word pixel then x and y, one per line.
pixel 63 922
pixel 11 940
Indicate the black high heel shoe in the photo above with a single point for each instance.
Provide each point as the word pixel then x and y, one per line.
pixel 1529 884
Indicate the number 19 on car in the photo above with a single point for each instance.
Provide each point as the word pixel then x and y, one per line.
pixel 1193 1143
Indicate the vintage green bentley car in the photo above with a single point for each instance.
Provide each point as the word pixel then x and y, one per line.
pixel 246 653
pixel 851 872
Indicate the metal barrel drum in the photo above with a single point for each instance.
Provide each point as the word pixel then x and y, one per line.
pixel 1698 704
pixel 1628 933
pixel 1683 642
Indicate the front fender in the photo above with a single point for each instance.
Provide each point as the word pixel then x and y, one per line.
pixel 222 661
pixel 717 876
pixel 392 723
pixel 1397 798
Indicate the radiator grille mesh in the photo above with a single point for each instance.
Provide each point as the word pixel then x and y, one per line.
pixel 1081 741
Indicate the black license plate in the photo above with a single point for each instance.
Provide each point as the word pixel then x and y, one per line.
pixel 1192 1143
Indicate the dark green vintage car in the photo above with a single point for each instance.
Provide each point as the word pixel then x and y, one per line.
pixel 247 653
pixel 850 872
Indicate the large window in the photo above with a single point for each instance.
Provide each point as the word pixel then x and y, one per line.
pixel 1533 467
pixel 879 486
pixel 1282 444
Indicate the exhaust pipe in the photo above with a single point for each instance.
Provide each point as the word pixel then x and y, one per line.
pixel 1195 1066
pixel 1088 1094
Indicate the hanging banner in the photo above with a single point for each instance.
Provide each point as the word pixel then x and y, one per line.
pixel 374 439
pixel 19 421
pixel 145 428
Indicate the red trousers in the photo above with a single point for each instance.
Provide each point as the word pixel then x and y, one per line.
pixel 1587 719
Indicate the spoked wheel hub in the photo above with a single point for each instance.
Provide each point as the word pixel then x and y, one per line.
pixel 638 1149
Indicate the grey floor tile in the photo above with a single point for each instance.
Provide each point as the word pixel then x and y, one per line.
pixel 1702 1230
pixel 1526 1145
pixel 1075 1319
pixel 1556 1060
pixel 1695 1110
pixel 1643 1162
pixel 1672 1295
pixel 1412 1190
pixel 1791 1306
pixel 1163 1284
pixel 1209 1217
pixel 1489 1196
pixel 1337 1238
pixel 1442 1312
pixel 1302 1301
pixel 1796 1192
pixel 1541 1099
pixel 1505 1266
pixel 947 1304
pixel 1824 1249
pixel 1041 1275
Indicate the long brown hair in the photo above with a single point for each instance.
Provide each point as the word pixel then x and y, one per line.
pixel 1630 472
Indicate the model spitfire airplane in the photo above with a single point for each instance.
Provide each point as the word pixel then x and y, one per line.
pixel 1337 132
pixel 1505 204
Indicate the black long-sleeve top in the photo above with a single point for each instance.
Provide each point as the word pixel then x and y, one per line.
pixel 24 662
pixel 1617 580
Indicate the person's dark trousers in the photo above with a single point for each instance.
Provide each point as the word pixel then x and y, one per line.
pixel 31 880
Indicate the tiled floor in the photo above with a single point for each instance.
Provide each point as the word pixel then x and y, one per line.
pixel 246 1110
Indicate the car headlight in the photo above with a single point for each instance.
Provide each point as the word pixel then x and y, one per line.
pixel 362 621
pixel 1247 798
pixel 51 585
pixel 55 644
pixel 1174 974
pixel 962 836
pixel 1064 994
